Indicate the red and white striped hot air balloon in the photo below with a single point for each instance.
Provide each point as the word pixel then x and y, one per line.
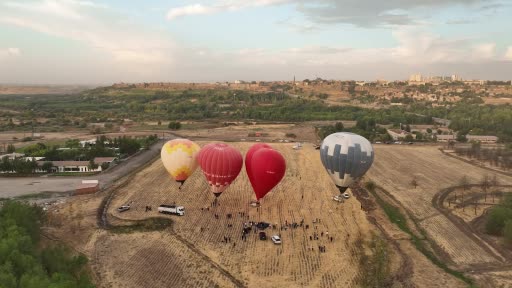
pixel 221 164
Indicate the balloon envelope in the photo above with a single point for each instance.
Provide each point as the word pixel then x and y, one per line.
pixel 248 157
pixel 267 169
pixel 179 157
pixel 346 157
pixel 221 164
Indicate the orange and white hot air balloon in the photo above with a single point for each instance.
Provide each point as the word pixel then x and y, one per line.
pixel 179 157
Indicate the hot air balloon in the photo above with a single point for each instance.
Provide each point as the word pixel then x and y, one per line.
pixel 267 168
pixel 248 157
pixel 179 157
pixel 346 157
pixel 221 164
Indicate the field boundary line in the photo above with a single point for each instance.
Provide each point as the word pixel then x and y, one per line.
pixel 475 164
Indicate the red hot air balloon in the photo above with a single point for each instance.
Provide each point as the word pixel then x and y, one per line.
pixel 248 157
pixel 267 169
pixel 221 164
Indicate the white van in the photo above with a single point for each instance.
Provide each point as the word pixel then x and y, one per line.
pixel 171 209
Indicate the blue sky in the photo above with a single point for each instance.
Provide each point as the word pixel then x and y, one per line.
pixel 101 42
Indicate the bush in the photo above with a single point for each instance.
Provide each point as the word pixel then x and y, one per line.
pixel 174 125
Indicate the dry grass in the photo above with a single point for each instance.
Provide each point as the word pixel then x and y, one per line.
pixel 394 169
pixel 303 194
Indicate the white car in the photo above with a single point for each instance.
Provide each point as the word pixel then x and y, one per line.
pixel 337 198
pixel 276 239
pixel 345 195
pixel 123 208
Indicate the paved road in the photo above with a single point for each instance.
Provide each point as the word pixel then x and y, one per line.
pixel 19 186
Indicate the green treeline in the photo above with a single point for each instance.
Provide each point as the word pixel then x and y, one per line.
pixel 500 219
pixel 112 105
pixel 24 264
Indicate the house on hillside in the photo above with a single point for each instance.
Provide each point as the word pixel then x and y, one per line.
pixel 398 134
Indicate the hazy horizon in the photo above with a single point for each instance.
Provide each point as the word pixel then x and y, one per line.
pixel 81 42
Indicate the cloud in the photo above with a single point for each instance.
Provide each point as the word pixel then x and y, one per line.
pixel 91 24
pixel 220 6
pixel 369 13
pixel 9 52
pixel 508 54
pixel 361 13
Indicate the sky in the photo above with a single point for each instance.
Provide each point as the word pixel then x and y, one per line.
pixel 104 42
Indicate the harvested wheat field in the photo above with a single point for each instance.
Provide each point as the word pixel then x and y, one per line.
pixel 303 195
pixel 394 169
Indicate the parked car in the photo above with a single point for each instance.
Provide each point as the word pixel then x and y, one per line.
pixel 345 195
pixel 337 198
pixel 263 235
pixel 262 225
pixel 123 208
pixel 276 239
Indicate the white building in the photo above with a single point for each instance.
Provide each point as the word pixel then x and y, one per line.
pixel 398 134
pixel 445 138
pixel 482 138
pixel 76 166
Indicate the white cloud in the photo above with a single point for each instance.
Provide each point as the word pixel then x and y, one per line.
pixel 508 54
pixel 220 6
pixel 91 24
pixel 9 52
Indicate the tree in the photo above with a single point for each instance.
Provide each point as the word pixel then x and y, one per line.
pixel 507 232
pixel 464 183
pixel 407 128
pixel 73 143
pixel 47 166
pixel 461 137
pixel 370 186
pixel 11 148
pixel 408 138
pixel 429 131
pixel 104 166
pixel 92 165
pixel 338 127
pixel 414 182
pixel 485 183
pixel 174 125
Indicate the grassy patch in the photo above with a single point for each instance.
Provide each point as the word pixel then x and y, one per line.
pixel 148 225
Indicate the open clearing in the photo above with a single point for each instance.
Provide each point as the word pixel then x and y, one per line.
pixel 394 169
pixel 192 253
pixel 304 194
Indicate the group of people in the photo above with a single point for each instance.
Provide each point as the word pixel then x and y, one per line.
pixel 148 208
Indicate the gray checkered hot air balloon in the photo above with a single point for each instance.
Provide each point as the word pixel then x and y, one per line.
pixel 346 157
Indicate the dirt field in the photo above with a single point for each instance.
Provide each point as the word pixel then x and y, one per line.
pixel 276 132
pixel 394 169
pixel 304 194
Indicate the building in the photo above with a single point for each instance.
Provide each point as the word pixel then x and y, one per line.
pixel 85 143
pixel 87 187
pixel 441 121
pixel 415 78
pixel 482 138
pixel 445 138
pixel 398 134
pixel 12 156
pixel 76 166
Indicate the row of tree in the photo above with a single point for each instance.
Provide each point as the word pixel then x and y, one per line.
pixel 499 157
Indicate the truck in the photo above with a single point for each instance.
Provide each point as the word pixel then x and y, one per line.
pixel 171 209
